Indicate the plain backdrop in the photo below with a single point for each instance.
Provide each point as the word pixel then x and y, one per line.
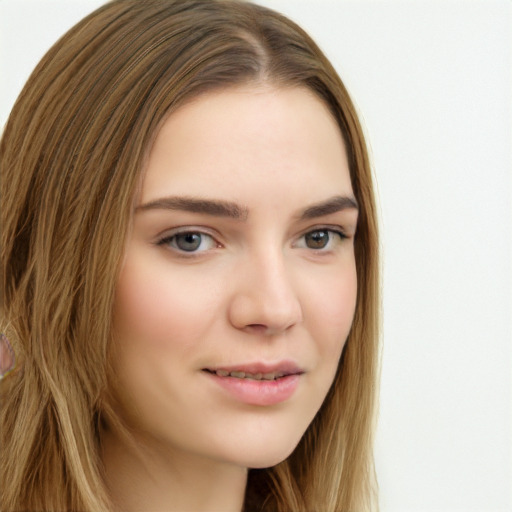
pixel 432 82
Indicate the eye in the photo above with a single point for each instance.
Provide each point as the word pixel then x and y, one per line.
pixel 319 239
pixel 189 242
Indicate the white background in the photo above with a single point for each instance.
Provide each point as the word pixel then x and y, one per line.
pixel 432 81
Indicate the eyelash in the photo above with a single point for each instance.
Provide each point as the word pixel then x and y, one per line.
pixel 170 240
pixel 332 233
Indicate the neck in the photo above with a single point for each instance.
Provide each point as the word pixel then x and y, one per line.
pixel 150 478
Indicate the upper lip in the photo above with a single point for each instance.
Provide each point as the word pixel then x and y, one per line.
pixel 282 367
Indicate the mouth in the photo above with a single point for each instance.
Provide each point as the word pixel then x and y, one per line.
pixel 239 374
pixel 257 371
pixel 257 384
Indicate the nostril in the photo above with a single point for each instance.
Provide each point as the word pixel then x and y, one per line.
pixel 257 328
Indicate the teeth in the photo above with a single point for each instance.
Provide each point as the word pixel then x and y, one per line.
pixel 252 376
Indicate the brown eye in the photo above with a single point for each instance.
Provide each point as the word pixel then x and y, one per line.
pixel 317 239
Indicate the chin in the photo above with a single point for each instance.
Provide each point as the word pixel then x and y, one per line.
pixel 258 456
pixel 268 461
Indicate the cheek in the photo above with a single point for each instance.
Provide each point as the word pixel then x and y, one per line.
pixel 342 305
pixel 157 308
pixel 331 310
pixel 159 321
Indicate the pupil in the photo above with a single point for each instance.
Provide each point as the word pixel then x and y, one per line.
pixel 317 239
pixel 188 241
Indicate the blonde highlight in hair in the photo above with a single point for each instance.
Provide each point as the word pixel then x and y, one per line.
pixel 71 159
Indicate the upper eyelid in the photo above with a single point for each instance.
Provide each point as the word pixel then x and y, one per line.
pixel 336 228
pixel 170 232
pixel 332 229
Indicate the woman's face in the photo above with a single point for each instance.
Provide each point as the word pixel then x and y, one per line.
pixel 240 262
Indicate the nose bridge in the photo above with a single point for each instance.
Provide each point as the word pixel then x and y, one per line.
pixel 266 296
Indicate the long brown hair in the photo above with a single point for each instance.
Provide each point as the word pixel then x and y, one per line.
pixel 71 158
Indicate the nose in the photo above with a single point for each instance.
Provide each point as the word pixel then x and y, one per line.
pixel 265 300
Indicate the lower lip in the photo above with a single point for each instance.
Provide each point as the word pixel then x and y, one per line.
pixel 259 392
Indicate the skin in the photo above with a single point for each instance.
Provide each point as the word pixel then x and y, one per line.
pixel 251 290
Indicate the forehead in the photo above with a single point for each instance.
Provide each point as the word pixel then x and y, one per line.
pixel 246 141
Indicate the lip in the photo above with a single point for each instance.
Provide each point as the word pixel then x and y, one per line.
pixel 258 392
pixel 286 367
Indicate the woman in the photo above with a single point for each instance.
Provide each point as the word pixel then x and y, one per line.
pixel 190 272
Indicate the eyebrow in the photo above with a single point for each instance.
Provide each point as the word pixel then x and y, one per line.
pixel 332 205
pixel 218 208
pixel 198 205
